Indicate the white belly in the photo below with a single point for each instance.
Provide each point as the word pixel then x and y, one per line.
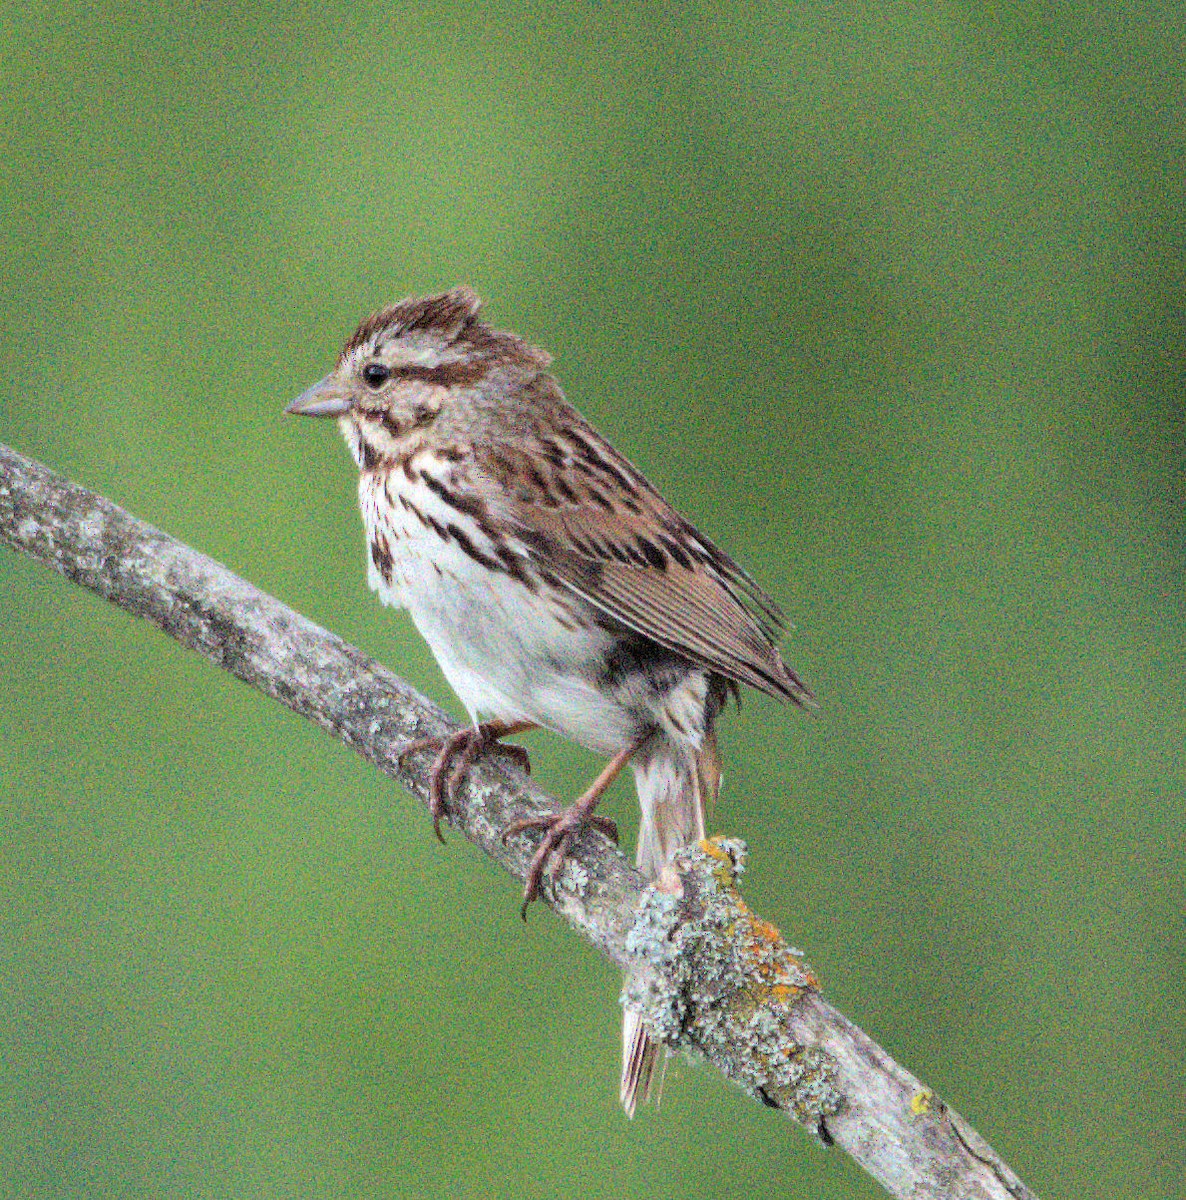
pixel 508 652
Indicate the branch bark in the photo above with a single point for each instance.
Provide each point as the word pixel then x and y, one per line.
pixel 709 974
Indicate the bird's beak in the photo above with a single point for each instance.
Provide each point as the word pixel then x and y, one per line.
pixel 321 400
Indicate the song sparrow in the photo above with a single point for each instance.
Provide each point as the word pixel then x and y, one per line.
pixel 555 586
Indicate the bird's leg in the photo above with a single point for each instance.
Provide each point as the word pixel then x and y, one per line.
pixel 561 828
pixel 458 751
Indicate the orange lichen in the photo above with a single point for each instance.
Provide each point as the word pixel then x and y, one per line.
pixel 761 942
pixel 712 847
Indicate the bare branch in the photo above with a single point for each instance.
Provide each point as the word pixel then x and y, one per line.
pixel 708 974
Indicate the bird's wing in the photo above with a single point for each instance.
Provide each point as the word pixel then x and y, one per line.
pixel 583 514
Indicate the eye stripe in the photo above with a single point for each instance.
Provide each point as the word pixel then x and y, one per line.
pixel 458 374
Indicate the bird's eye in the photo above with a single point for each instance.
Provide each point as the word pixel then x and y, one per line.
pixel 375 375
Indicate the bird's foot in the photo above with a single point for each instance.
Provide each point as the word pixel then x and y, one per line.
pixel 560 829
pixel 456 754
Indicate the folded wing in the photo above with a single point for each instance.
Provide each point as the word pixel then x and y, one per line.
pixel 589 519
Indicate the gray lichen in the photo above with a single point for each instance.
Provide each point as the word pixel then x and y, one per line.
pixel 574 878
pixel 717 979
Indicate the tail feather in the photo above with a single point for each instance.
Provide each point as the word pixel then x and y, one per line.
pixel 677 783
pixel 641 1061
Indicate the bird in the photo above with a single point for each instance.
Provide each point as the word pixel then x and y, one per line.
pixel 555 586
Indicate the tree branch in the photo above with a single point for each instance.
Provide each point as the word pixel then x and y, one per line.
pixel 708 974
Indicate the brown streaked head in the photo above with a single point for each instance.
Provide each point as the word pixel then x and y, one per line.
pixel 402 365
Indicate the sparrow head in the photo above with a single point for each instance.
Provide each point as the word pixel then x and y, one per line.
pixel 404 366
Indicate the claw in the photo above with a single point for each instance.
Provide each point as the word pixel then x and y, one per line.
pixel 517 754
pixel 464 746
pixel 561 830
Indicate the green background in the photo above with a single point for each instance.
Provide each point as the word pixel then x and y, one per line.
pixel 888 298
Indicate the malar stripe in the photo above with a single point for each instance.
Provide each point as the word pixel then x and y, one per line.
pixel 421 416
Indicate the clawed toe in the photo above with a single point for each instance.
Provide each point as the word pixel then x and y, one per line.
pixel 442 782
pixel 424 743
pixel 455 755
pixel 517 754
pixel 606 827
pixel 560 830
pixel 446 747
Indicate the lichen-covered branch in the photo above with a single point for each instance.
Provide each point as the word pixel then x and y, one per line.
pixel 709 975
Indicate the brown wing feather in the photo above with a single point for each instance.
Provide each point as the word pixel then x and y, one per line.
pixel 590 518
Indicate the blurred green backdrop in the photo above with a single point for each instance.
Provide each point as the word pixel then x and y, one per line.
pixel 889 298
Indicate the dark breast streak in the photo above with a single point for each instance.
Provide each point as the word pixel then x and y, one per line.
pixel 498 557
pixel 381 556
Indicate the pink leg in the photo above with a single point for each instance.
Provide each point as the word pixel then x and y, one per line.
pixel 562 828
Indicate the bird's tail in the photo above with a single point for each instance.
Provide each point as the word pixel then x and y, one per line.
pixel 677 784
